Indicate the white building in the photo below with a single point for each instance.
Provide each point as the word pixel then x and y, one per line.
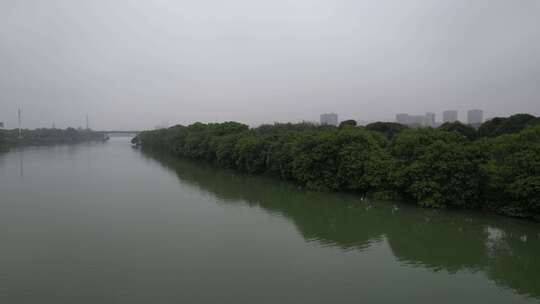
pixel 427 120
pixel 475 117
pixel 329 119
pixel 418 120
pixel 403 118
pixel 450 116
pixel 430 120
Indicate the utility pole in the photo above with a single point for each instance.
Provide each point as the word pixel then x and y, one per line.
pixel 19 114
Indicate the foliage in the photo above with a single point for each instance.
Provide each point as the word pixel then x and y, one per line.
pixel 513 172
pixel 3 143
pixel 465 130
pixel 349 159
pixel 513 124
pixel 437 168
pixel 389 129
pixel 444 167
pixel 350 123
pixel 47 136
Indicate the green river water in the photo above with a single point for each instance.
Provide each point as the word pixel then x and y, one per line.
pixel 107 223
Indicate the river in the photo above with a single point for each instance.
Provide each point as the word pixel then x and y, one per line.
pixel 107 223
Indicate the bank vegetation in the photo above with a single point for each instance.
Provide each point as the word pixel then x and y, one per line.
pixel 495 167
pixel 43 136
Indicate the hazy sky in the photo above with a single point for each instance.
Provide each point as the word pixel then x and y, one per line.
pixel 136 64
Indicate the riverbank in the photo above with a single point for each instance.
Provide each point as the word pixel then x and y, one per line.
pixel 432 167
pixel 37 137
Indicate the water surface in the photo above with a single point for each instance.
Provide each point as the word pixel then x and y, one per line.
pixel 106 223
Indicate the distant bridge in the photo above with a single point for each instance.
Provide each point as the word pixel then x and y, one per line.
pixel 120 133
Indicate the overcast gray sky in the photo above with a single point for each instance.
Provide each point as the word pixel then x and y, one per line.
pixel 136 64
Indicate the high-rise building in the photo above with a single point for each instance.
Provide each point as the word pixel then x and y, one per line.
pixel 475 117
pixel 329 119
pixel 450 116
pixel 430 119
pixel 1 125
pixel 403 118
pixel 416 120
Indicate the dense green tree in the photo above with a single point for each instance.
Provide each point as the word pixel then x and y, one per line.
pixel 347 159
pixel 315 163
pixel 350 123
pixel 48 136
pixel 513 172
pixel 279 161
pixel 3 144
pixel 437 168
pixel 465 130
pixel 433 167
pixel 389 129
pixel 410 144
pixel 250 153
pixel 224 147
pixel 507 125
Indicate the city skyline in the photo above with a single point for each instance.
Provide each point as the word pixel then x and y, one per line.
pixel 430 119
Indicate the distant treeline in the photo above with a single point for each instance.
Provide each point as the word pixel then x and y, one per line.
pixel 495 167
pixel 9 138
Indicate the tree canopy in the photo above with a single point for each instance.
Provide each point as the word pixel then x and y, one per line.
pixel 444 167
pixel 350 123
pixel 389 129
pixel 465 130
pixel 507 125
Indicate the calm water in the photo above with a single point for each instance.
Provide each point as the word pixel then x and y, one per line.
pixel 106 223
